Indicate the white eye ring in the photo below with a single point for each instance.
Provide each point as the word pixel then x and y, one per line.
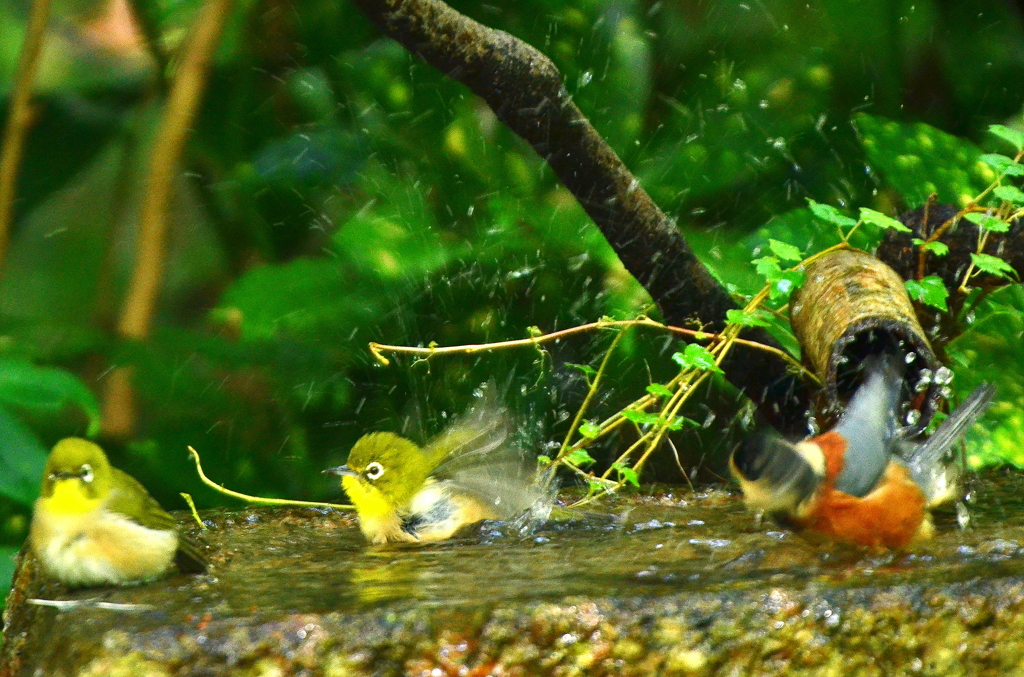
pixel 374 470
pixel 87 475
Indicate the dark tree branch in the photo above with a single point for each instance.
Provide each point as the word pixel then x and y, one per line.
pixel 525 90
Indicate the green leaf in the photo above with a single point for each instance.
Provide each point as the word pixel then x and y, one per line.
pixel 543 460
pixel 786 284
pixel 1002 164
pixel 590 430
pixel 785 251
pixel 678 422
pixel 767 267
pixel 988 222
pixel 930 291
pixel 881 220
pixel 745 319
pixel 46 390
pixel 659 390
pixel 596 486
pixel 1009 193
pixel 993 265
pixel 696 357
pixel 937 248
pixel 22 460
pixel 1006 134
pixel 584 369
pixel 830 214
pixel 580 457
pixel 641 417
pixel 917 160
pixel 628 474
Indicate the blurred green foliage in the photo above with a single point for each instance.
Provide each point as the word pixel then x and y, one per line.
pixel 337 191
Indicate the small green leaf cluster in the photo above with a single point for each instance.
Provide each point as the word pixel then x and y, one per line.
pixel 781 282
pixel 694 356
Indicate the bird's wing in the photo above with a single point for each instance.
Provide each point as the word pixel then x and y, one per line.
pixel 481 457
pixel 869 425
pixel 774 475
pixel 136 504
pixel 475 435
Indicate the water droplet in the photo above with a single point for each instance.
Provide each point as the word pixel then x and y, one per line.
pixel 913 417
pixel 585 79
pixel 963 518
pixel 943 376
pixel 911 356
pixel 925 380
pixel 812 425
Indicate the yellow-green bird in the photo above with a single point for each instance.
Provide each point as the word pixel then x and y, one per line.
pixel 473 471
pixel 96 525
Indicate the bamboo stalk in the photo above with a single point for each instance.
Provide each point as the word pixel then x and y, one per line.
pixel 19 118
pixel 137 310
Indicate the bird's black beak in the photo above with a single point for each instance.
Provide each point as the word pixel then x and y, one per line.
pixel 341 470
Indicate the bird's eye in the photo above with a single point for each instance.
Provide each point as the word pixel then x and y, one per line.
pixel 86 475
pixel 374 470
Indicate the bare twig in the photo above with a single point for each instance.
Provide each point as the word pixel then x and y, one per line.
pixel 378 349
pixel 591 393
pixel 192 509
pixel 19 118
pixel 259 500
pixel 91 603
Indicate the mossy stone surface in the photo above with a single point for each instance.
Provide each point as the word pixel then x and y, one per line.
pixel 677 583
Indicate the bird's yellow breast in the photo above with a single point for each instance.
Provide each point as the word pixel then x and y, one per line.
pixel 69 498
pixel 81 543
pixel 378 518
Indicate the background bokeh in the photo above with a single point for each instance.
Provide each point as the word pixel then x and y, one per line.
pixel 337 191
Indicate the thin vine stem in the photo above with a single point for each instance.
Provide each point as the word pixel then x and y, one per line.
pixel 378 349
pixel 258 500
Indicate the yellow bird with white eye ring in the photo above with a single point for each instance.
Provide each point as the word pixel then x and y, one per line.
pixel 473 471
pixel 96 525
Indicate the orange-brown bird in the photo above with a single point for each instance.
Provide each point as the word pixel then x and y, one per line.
pixel 860 482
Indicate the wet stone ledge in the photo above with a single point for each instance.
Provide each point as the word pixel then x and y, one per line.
pixel 682 584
